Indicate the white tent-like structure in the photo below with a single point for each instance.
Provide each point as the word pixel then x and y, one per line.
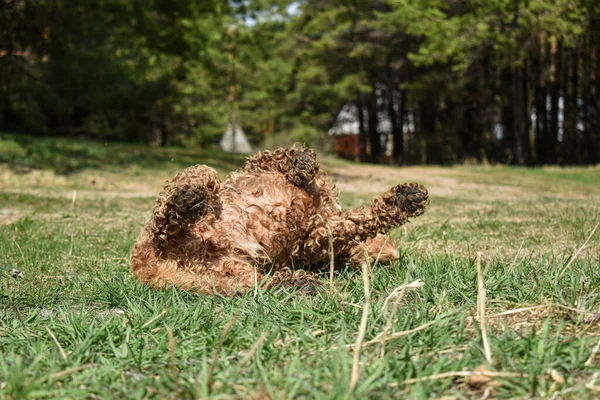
pixel 234 140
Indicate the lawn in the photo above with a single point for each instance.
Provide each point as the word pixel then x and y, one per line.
pixel 76 324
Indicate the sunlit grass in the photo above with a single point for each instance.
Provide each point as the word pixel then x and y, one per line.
pixel 112 333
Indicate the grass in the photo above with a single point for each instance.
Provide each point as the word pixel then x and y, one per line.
pixel 78 325
pixel 66 156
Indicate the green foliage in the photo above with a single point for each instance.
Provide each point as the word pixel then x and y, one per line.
pixel 458 80
pixel 457 36
pixel 127 69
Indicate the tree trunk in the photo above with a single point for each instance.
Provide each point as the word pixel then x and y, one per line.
pixel 521 142
pixel 374 136
pixel 594 106
pixel 362 133
pixel 540 95
pixel 572 156
pixel 427 118
pixel 395 110
pixel 518 130
pixel 507 118
pixel 402 118
pixel 589 91
pixel 485 109
pixel 555 72
pixel 567 148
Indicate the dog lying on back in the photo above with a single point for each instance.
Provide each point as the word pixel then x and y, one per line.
pixel 278 211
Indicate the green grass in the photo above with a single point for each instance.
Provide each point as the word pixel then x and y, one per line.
pixel 547 178
pixel 66 156
pixel 114 332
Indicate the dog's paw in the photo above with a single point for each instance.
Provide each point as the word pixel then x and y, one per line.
pixel 412 198
pixel 303 167
pixel 177 208
pixel 188 204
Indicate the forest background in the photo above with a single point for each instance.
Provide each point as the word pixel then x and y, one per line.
pixel 501 81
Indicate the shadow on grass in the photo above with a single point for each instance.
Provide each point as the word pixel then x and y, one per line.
pixel 65 156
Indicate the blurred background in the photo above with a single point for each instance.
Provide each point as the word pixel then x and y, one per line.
pixel 395 82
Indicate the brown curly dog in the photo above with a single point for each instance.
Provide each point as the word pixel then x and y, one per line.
pixel 278 211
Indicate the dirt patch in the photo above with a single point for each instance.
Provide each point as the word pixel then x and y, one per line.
pixel 441 182
pixel 9 216
pixel 84 194
pixel 356 179
pixel 88 184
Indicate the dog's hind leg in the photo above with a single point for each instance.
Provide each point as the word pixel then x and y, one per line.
pixel 351 227
pixel 191 195
pixel 379 249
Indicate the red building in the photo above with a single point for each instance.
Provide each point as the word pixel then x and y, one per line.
pixel 345 133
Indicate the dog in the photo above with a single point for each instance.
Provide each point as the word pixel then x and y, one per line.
pixel 279 211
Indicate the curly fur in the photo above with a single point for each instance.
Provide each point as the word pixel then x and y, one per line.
pixel 278 211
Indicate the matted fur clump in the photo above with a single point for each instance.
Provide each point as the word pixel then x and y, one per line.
pixel 278 211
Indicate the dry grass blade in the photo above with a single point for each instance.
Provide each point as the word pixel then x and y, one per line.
pixel 361 332
pixel 60 349
pixel 556 376
pixel 570 308
pixel 592 318
pixel 255 346
pixel 390 317
pixel 510 312
pixel 481 311
pixel 70 253
pixel 396 335
pixel 443 375
pixel 70 371
pixel 154 319
pixel 459 374
pixel 514 262
pixel 73 200
pixel 487 393
pixel 400 290
pixel 579 251
pixel 480 377
pixel 255 293
pixel 331 258
pixel 592 356
pixel 216 353
pixel 592 383
pixel 173 361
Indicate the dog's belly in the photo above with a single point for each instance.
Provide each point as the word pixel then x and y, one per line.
pixel 264 217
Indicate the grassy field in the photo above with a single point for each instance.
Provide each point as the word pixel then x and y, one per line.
pixel 76 324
